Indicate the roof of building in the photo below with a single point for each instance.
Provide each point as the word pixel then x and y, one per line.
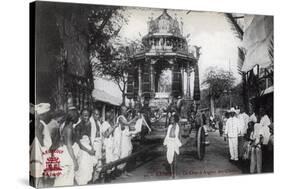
pixel 107 91
pixel 103 96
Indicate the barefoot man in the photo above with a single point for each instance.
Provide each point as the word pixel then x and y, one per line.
pixel 125 144
pixel 172 142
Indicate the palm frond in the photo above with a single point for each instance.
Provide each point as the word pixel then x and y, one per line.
pixel 234 26
pixel 271 50
pixel 241 58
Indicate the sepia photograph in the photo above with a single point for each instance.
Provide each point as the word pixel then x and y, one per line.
pixel 124 94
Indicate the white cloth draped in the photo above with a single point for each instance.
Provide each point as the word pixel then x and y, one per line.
pixel 86 163
pixel 243 122
pixel 47 140
pixel 253 118
pixel 126 144
pixel 265 121
pixel 261 130
pixel 67 166
pixel 36 159
pixel 96 141
pixel 138 125
pixel 117 143
pixel 108 143
pixel 172 144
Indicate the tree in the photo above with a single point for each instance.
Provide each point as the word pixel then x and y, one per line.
pixel 236 27
pixel 108 57
pixel 105 22
pixel 117 68
pixel 218 82
pixel 240 63
pixel 118 63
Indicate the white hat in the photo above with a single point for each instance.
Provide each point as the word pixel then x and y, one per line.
pixel 42 108
pixel 232 110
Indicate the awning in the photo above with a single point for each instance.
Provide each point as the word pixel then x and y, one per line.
pixel 103 96
pixel 256 41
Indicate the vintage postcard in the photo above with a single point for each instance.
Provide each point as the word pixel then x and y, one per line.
pixel 126 94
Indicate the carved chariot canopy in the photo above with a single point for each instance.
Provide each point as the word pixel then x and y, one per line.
pixel 164 24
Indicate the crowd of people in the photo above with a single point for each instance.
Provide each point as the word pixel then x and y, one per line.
pixel 82 142
pixel 250 139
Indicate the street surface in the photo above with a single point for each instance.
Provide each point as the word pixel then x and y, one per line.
pixel 215 163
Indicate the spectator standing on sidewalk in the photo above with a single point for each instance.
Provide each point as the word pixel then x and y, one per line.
pixel 243 126
pixel 265 133
pixel 220 123
pixel 232 132
pixel 261 137
pixel 270 155
pixel 253 116
pixel 256 151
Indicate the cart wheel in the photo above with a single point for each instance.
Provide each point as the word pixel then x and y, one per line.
pixel 200 143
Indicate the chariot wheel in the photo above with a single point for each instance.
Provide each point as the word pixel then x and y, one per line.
pixel 200 143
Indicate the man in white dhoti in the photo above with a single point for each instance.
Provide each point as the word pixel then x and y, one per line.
pixel 86 153
pixel 96 139
pixel 173 143
pixel 40 144
pixel 69 148
pixel 125 144
pixel 107 129
pixel 232 131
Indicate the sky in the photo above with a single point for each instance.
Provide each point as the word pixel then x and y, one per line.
pixel 210 30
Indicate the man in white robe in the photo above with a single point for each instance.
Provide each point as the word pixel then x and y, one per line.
pixel 232 131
